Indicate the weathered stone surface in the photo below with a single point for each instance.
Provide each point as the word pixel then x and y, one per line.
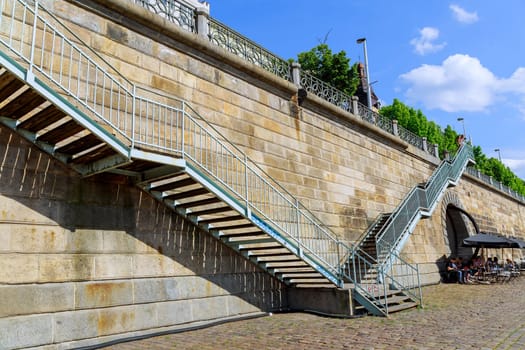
pixel 121 262
pixel 25 331
pixel 102 294
pixel 18 268
pixel 26 299
pixel 175 312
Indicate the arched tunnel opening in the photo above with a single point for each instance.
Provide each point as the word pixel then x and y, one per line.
pixel 460 225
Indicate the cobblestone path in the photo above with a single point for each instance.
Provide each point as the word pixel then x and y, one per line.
pixel 454 317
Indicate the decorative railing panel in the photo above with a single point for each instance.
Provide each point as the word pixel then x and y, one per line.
pixel 325 91
pixel 174 11
pixel 495 184
pixel 246 49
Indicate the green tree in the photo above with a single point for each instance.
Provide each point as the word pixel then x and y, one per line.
pixel 416 122
pixel 331 68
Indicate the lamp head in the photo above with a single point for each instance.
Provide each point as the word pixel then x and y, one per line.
pixel 360 40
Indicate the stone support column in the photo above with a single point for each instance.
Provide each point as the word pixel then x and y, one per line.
pixel 436 150
pixel 296 74
pixel 355 109
pixel 395 127
pixel 203 18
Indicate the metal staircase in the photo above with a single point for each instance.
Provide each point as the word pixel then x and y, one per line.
pixel 62 96
pixel 385 238
pixel 59 94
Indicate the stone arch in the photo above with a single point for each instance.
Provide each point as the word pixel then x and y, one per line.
pixel 457 225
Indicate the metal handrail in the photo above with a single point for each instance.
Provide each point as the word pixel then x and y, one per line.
pixel 495 184
pixel 227 38
pixel 421 198
pixel 325 91
pixel 148 120
pixel 174 11
pixel 162 123
pixel 405 276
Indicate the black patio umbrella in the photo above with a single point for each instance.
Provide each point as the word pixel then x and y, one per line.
pixel 489 240
pixel 518 242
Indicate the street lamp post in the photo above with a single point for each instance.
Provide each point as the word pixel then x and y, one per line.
pixel 499 153
pixel 462 120
pixel 368 89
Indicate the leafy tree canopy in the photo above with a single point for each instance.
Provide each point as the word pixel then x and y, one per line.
pixel 331 68
pixel 416 122
pixel 335 70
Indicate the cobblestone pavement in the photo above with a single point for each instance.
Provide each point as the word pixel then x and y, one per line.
pixel 454 317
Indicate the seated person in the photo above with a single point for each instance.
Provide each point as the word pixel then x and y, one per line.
pixel 452 270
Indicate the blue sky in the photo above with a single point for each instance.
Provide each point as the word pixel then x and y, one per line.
pixel 450 59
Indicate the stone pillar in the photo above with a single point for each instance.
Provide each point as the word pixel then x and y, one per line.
pixel 296 74
pixel 447 155
pixel 203 15
pixel 425 146
pixel 355 109
pixel 436 150
pixel 395 128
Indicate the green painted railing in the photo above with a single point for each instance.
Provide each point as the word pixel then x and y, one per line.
pixel 421 201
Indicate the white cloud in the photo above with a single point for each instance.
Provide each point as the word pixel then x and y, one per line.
pixel 425 42
pixel 516 165
pixel 460 83
pixel 462 15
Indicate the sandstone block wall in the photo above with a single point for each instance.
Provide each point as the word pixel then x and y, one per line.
pixel 344 172
pixel 84 261
pixel 85 258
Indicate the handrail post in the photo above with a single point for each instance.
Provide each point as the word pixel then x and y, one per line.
pixel 133 116
pixel 355 107
pixel 385 302
pixel 30 74
pixel 419 286
pixel 296 74
pixel 395 127
pixel 183 131
pixel 246 192
pixel 297 216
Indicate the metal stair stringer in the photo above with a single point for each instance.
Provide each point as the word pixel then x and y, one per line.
pixel 89 116
pixel 196 197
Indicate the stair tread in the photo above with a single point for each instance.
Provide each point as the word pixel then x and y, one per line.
pixel 175 184
pixel 23 104
pixel 9 84
pixel 401 307
pixel 198 202
pixel 186 194
pixel 94 155
pixel 221 219
pixel 79 145
pixel 61 132
pixel 42 119
pixel 298 275
pixel 210 211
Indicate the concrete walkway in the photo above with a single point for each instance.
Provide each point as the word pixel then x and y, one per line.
pixel 454 317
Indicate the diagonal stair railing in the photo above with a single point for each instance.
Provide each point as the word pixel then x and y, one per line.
pixel 389 232
pixel 139 123
pixel 421 202
pixel 136 121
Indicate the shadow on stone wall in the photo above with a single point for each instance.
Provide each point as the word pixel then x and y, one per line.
pixel 39 190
